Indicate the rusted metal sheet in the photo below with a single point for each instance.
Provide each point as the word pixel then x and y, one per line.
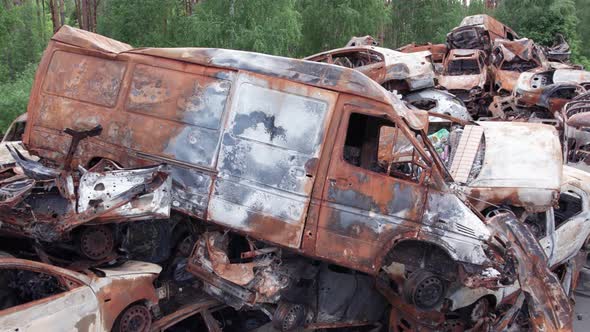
pixel 438 51
pixel 268 159
pixel 510 58
pixel 548 305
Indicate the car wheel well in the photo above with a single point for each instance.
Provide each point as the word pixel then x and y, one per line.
pixel 426 255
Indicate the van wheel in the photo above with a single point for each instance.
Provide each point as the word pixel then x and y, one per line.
pixel 136 318
pixel 424 289
pixel 96 242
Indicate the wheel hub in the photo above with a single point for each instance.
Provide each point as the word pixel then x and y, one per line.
pixel 424 289
pixel 97 242
pixel 136 319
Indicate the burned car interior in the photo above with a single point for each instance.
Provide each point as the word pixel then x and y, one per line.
pixel 357 189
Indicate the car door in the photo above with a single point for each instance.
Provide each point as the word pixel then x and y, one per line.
pixel 372 193
pixel 34 300
pixel 571 226
pixel 268 159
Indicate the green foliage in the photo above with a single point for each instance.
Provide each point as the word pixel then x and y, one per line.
pixel 267 26
pixel 22 38
pixel 24 31
pixel 541 20
pixel 137 22
pixel 14 96
pixel 329 24
pixel 423 21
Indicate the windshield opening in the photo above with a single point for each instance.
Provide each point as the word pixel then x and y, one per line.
pixel 463 67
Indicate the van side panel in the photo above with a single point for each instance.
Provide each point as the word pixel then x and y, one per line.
pixel 268 158
pixel 151 110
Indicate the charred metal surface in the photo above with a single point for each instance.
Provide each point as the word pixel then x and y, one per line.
pixel 510 58
pixel 62 299
pixel 548 305
pixel 394 70
pixel 478 32
pixel 50 209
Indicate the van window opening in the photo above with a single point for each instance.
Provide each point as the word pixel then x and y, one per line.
pixel 377 145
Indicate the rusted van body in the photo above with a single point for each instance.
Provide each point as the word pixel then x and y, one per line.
pixel 282 150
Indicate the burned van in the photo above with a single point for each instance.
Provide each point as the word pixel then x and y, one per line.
pixel 283 154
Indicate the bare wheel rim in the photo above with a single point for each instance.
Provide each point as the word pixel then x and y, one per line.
pixel 428 292
pixel 96 242
pixel 135 319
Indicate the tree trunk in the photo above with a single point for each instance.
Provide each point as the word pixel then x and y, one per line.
pixel 79 14
pixel 40 19
pixel 54 15
pixel 95 4
pixel 62 13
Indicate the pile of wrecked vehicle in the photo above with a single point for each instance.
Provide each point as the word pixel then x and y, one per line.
pixel 160 186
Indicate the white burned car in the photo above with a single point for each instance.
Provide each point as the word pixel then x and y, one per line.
pixel 40 297
pixel 13 137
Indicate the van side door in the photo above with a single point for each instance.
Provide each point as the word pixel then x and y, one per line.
pixel 268 159
pixel 374 191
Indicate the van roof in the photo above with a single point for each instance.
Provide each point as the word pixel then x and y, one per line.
pixel 321 75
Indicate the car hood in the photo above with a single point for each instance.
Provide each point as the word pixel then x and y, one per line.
pixel 522 165
pixel 520 155
pixel 461 82
pixel 130 268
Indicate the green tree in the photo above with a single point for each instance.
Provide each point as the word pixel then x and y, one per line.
pixel 267 26
pixel 541 20
pixel 137 22
pixel 423 21
pixel 15 96
pixel 330 24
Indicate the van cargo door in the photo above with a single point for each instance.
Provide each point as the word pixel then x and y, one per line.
pixel 268 158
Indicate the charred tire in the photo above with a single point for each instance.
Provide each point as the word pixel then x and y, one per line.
pixel 288 316
pixel 96 242
pixel 424 289
pixel 135 318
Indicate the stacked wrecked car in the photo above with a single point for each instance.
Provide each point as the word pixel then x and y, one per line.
pixel 302 190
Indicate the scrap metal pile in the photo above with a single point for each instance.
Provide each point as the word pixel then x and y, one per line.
pixel 433 188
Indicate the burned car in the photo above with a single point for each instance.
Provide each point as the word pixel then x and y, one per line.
pixel 465 74
pixel 562 232
pixel 82 207
pixel 576 148
pixel 510 58
pixel 277 163
pixel 549 89
pixel 394 70
pixel 38 296
pixel 479 32
pixel 439 102
pixel 559 51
